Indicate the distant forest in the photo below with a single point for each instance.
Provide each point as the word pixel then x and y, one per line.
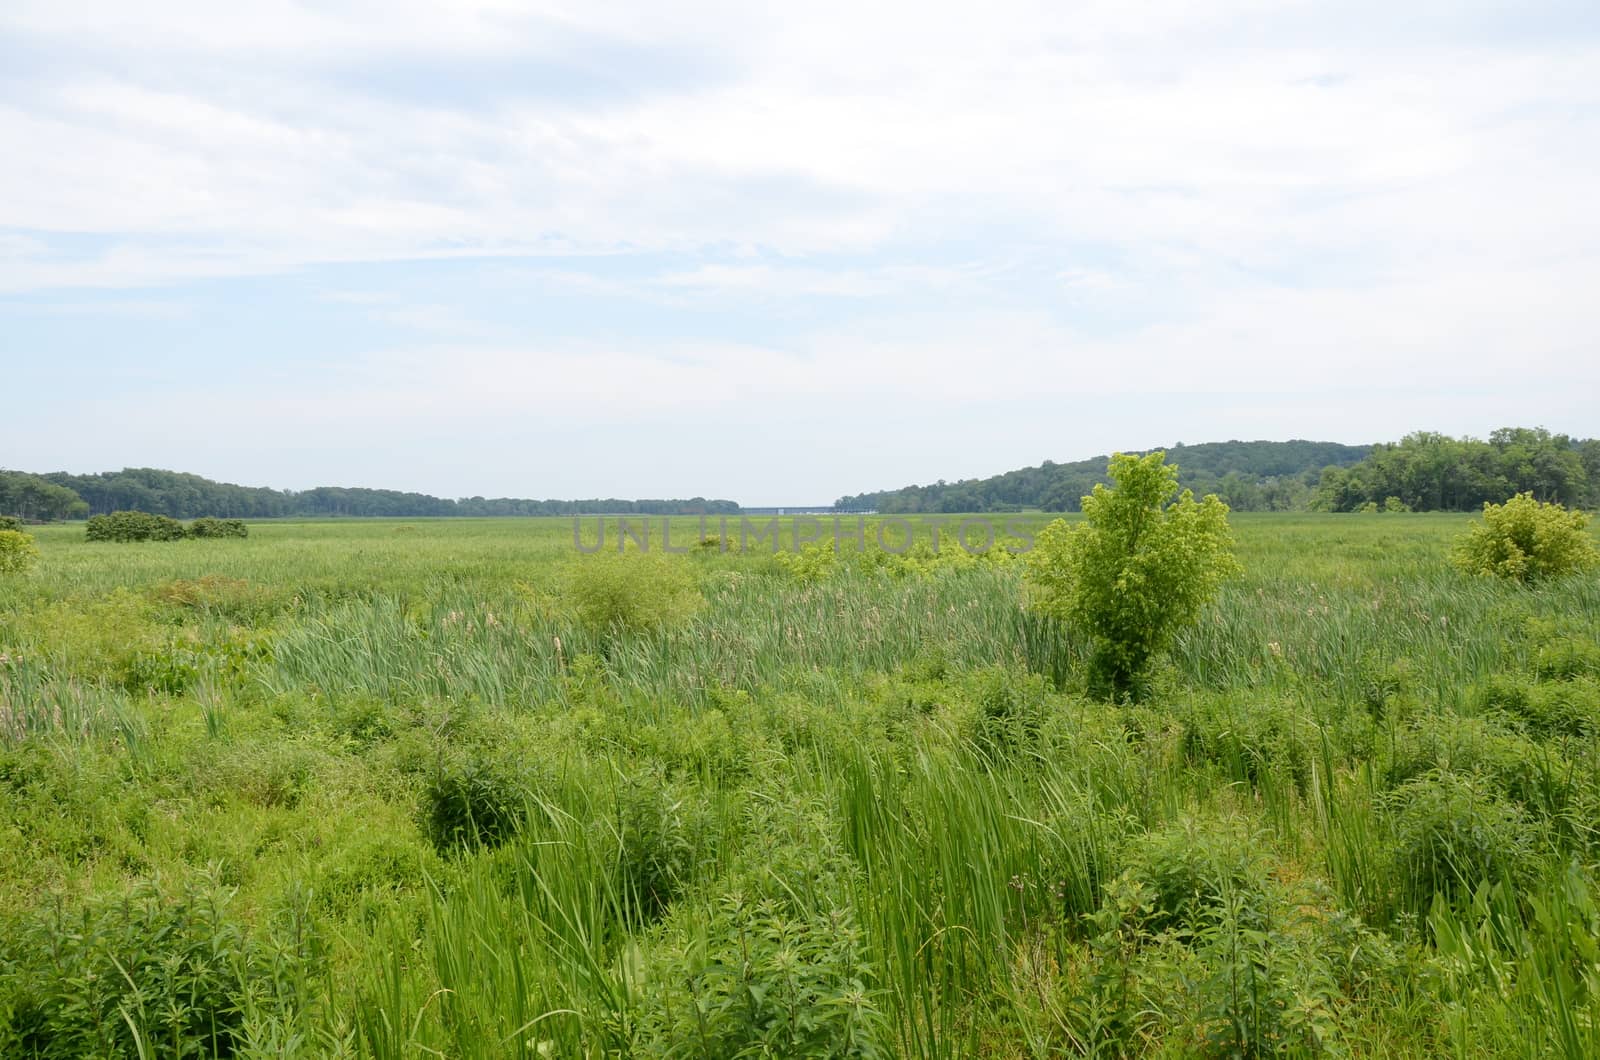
pixel 1250 476
pixel 59 495
pixel 1422 472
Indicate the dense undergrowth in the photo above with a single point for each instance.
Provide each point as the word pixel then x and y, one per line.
pixel 432 789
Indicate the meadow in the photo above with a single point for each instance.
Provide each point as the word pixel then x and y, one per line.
pixel 449 788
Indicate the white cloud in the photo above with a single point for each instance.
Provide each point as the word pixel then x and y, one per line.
pixel 1086 199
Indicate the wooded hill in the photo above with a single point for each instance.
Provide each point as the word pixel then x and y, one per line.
pixel 59 495
pixel 1250 476
pixel 1423 471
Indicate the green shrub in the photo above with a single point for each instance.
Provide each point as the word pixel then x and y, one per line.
pixel 474 801
pixel 1384 684
pixel 1527 541
pixel 1139 568
pixel 1546 708
pixel 1450 836
pixel 210 527
pixel 133 526
pixel 1563 658
pixel 656 845
pixel 1192 874
pixel 10 522
pixel 1252 742
pixel 149 974
pixel 633 591
pixel 1010 707
pixel 1503 761
pixel 17 551
pixel 168 670
pixel 762 979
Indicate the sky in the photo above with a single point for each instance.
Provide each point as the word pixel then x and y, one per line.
pixel 782 252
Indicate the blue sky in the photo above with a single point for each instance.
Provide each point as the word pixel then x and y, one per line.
pixel 776 252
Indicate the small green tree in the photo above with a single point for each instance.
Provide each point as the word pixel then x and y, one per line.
pixel 1136 571
pixel 17 551
pixel 1526 540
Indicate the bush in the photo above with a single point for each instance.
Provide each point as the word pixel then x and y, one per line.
pixel 1503 761
pixel 655 847
pixel 17 552
pixel 1451 836
pixel 133 526
pixel 634 591
pixel 1527 541
pixel 473 801
pixel 1559 708
pixel 1254 742
pixel 763 980
pixel 10 522
pixel 1137 571
pixel 1564 658
pixel 149 974
pixel 1191 875
pixel 209 527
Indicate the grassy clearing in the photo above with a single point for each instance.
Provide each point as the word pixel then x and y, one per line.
pixel 396 789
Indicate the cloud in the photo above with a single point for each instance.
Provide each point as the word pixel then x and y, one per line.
pixel 599 213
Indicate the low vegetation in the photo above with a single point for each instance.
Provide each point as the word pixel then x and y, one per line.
pixel 449 788
pixel 17 551
pixel 143 526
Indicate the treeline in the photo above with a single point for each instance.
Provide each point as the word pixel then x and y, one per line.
pixel 32 498
pixel 1434 472
pixel 179 495
pixel 1422 472
pixel 1249 476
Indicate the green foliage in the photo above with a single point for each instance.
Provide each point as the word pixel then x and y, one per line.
pixel 133 526
pixel 24 497
pixel 1432 472
pixel 1451 837
pixel 143 526
pixel 1527 540
pixel 210 527
pixel 154 973
pixel 1193 873
pixel 472 800
pixel 656 845
pixel 763 980
pixel 1137 571
pixel 10 522
pixel 1248 476
pixel 835 814
pixel 631 591
pixel 17 552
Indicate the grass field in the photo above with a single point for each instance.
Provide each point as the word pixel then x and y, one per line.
pixel 407 790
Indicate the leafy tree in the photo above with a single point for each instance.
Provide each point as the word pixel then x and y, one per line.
pixel 17 551
pixel 1136 571
pixel 1527 540
pixel 1434 472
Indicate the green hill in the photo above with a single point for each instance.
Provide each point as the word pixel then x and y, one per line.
pixel 1250 476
